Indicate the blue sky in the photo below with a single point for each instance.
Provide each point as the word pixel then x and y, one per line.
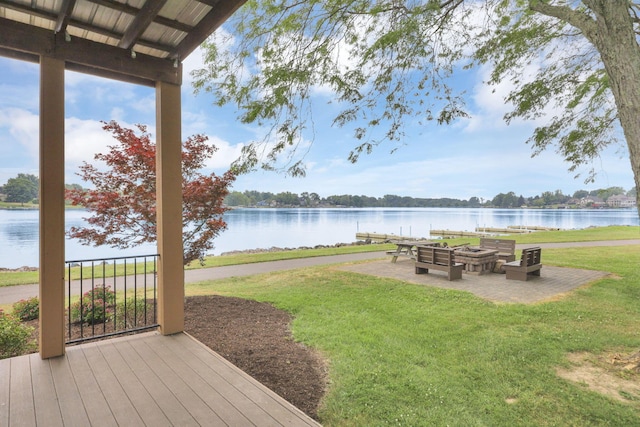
pixel 480 157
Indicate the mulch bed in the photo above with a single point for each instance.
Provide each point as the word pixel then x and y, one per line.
pixel 256 337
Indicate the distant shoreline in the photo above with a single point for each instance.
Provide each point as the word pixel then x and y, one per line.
pixel 37 207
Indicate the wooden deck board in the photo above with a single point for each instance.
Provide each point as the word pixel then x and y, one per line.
pixel 123 401
pixel 45 399
pixel 20 392
pixel 279 409
pixel 214 397
pixel 214 378
pixel 146 379
pixel 71 407
pixel 93 400
pixel 163 368
pixel 5 375
pixel 164 398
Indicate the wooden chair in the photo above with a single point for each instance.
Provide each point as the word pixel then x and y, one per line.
pixel 506 248
pixel 529 265
pixel 441 259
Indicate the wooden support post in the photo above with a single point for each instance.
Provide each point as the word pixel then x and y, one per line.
pixel 169 208
pixel 52 302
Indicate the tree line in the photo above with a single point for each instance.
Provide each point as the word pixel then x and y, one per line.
pixel 24 189
pixel 501 200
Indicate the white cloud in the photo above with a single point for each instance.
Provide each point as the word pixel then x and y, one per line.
pixel 23 126
pixel 193 62
pixel 83 139
pixel 97 91
pixel 196 60
pixel 117 114
pixel 8 173
pixel 225 155
pixel 144 104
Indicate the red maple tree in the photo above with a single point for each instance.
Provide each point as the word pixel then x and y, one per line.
pixel 123 200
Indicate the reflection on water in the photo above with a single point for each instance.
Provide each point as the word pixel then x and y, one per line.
pixel 265 228
pixel 19 234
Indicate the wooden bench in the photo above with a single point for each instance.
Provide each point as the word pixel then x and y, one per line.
pixel 441 259
pixel 529 265
pixel 506 248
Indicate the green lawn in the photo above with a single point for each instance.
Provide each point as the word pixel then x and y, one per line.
pixel 404 354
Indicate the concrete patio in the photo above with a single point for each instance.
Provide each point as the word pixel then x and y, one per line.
pixel 553 282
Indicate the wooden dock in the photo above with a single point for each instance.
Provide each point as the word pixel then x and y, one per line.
pixel 479 232
pixel 497 230
pixel 533 228
pixel 455 233
pixel 378 237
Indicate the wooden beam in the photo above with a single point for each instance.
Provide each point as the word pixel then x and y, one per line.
pixel 130 10
pixel 169 208
pixel 106 74
pixel 92 28
pixel 51 268
pixel 31 11
pixel 104 32
pixel 64 15
pixel 102 59
pixel 141 22
pixel 207 25
pixel 212 3
pixel 111 4
pixel 22 56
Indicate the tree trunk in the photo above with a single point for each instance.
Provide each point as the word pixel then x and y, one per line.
pixel 612 33
pixel 616 41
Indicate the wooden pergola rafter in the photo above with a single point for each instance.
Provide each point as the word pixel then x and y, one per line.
pixel 157 36
pixel 137 41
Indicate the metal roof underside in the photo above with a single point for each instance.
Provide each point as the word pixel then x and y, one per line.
pixel 138 41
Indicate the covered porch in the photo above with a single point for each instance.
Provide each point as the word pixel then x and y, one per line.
pixel 137 41
pixel 144 379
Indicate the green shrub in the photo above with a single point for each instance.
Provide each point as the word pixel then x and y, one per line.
pixel 134 315
pixel 14 337
pixel 27 309
pixel 95 306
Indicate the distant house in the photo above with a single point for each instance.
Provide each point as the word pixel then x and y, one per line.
pixel 621 201
pixel 592 201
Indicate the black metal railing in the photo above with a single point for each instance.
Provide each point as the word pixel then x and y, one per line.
pixel 110 296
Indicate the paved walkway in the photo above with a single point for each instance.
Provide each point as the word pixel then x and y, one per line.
pixel 545 287
pixel 11 294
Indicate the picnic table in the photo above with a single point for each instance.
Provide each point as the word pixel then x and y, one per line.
pixel 406 248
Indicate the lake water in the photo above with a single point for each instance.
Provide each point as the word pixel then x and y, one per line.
pixel 265 228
